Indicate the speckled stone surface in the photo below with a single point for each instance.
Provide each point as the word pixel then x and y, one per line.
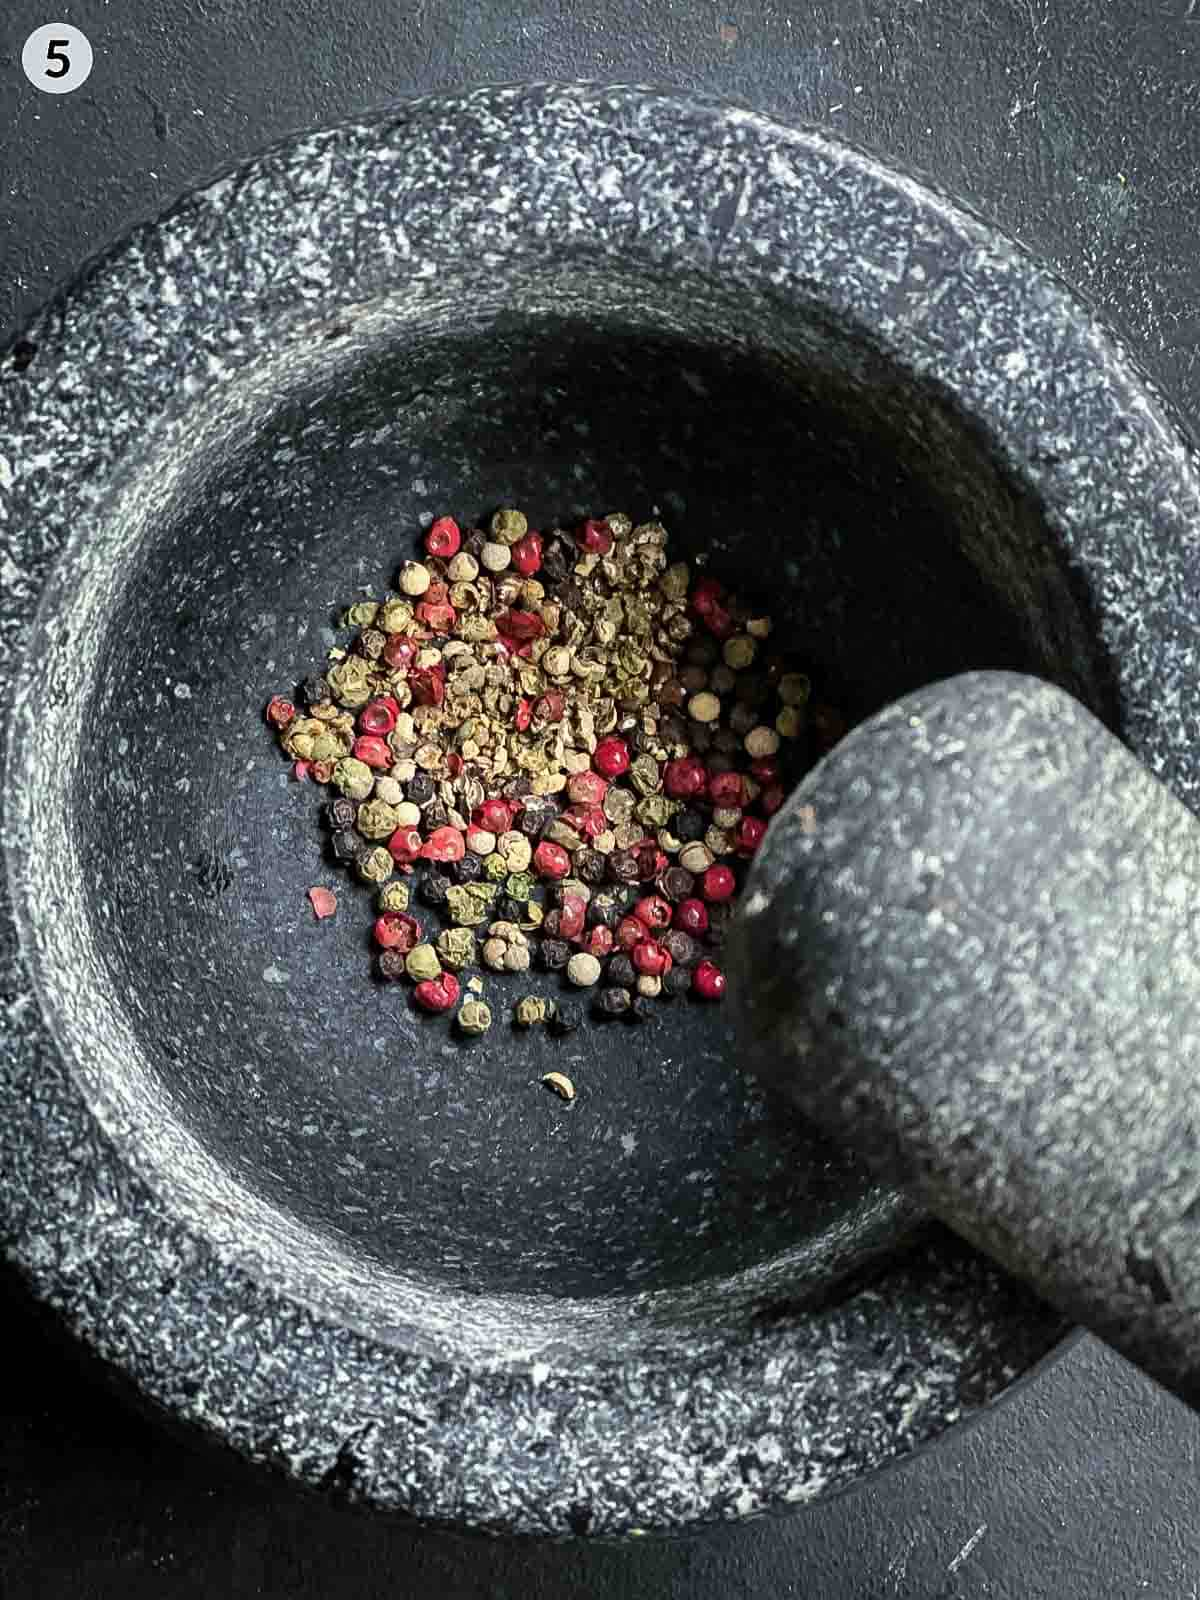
pixel 710 1389
pixel 990 909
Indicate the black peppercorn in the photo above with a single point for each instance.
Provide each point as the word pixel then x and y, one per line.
pixel 620 971
pixel 676 984
pixel 551 923
pixel 557 561
pixel 590 866
pixel 315 690
pixel 700 739
pixel 623 866
pixel 517 789
pixel 339 814
pixel 473 542
pixel 565 1018
pixel 689 825
pixel 555 953
pixel 703 651
pixel 345 845
pixel 420 789
pixel 676 883
pixel 680 946
pixel 536 816
pixel 391 964
pixel 641 1009
pixel 435 815
pixel 468 870
pixel 510 910
pixel 604 910
pixel 435 889
pixel 726 740
pixel 613 1003
pixel 720 917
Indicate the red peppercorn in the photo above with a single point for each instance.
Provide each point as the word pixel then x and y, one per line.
pixel 708 981
pixel 772 798
pixel 750 834
pixel 718 621
pixel 493 816
pixel 630 931
pixel 300 771
pixel 379 716
pixel 527 554
pixel 399 652
pixel 396 930
pixel 405 845
pixel 522 627
pixel 765 769
pixel 586 788
pixel 654 911
pixel 571 916
pixel 523 715
pixel 444 844
pixel 280 711
pixel 707 594
pixel 599 942
pixel 649 957
pixel 439 616
pixel 323 902
pixel 373 750
pixel 692 916
pixel 611 757
pixel 685 778
pixel 429 685
pixel 443 539
pixel 650 860
pixel 587 820
pixel 727 789
pixel 454 764
pixel 551 860
pixel 551 706
pixel 437 593
pixel 718 883
pixel 437 994
pixel 321 771
pixel 594 537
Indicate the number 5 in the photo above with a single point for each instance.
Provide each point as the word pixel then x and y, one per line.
pixel 56 51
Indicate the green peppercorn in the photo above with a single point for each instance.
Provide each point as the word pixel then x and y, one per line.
pixel 350 682
pixel 422 964
pixel 361 614
pixel 395 617
pixel 373 864
pixel 495 868
pixel 354 778
pixel 531 915
pixel 530 1010
pixel 509 526
pixel 474 1017
pixel 393 897
pixel 520 885
pixel 470 903
pixel 377 820
pixel 456 948
pixel 656 810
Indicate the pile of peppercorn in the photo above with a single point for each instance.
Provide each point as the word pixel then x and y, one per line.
pixel 560 749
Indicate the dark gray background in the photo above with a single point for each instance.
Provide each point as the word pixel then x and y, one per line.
pixel 1074 126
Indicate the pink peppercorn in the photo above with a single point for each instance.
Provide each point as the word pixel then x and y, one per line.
pixel 551 860
pixel 551 706
pixel 399 653
pixel 396 930
pixel 685 778
pixel 727 789
pixel 444 844
pixel 523 715
pixel 590 821
pixel 630 932
pixel 611 757
pixel 439 616
pixel 300 771
pixel 772 798
pixel 654 911
pixel 586 788
pixel 280 711
pixel 692 916
pixel 708 981
pixel 429 685
pixel 443 539
pixel 372 750
pixel 527 554
pixel 750 834
pixel 599 942
pixel 321 771
pixel 765 769
pixel 405 845
pixel 706 595
pixel 570 917
pixel 718 621
pixel 379 716
pixel 650 959
pixel 522 627
pixel 594 538
pixel 437 994
pixel 718 883
pixel 493 816
pixel 323 902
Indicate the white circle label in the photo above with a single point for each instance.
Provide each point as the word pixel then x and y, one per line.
pixel 57 58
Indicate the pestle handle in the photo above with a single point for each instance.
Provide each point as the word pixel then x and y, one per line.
pixel 970 948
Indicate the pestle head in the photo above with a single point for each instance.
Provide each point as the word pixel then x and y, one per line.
pixel 970 948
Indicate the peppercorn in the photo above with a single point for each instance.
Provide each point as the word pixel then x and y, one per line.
pixel 680 946
pixel 565 1018
pixel 555 953
pixel 641 1007
pixel 345 845
pixel 751 832
pixel 718 883
pixel 583 969
pixel 622 866
pixel 610 1003
pixel 393 897
pixel 530 1010
pixel 692 916
pixel 353 777
pixel 443 539
pixel 720 917
pixel 676 883
pixel 437 994
pixel 604 910
pixel 510 909
pixel 420 789
pixel 468 870
pixel 708 981
pixel 391 964
pixel 474 1018
pixel 620 970
pixel 339 814
pixel 435 815
pixel 314 690
pixel 676 983
pixel 373 864
pixel 689 825
pixel 435 888
pixel 456 948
